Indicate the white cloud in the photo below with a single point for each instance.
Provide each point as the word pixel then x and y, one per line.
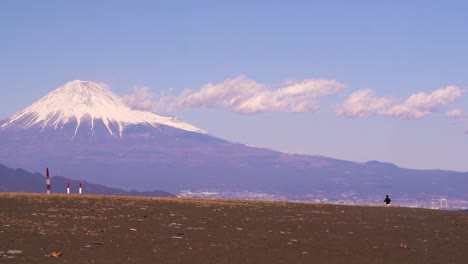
pixel 421 105
pixel 140 99
pixel 247 96
pixel 417 106
pixel 459 116
pixel 455 113
pixel 363 102
pixel 227 94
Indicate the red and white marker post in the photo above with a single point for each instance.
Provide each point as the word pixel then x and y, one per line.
pixel 79 188
pixel 68 188
pixel 47 181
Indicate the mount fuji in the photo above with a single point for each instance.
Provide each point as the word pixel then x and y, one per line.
pixel 89 103
pixel 84 131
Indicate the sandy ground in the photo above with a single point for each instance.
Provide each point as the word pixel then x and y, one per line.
pixel 105 229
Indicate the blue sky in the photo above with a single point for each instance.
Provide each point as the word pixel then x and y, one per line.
pixel 355 80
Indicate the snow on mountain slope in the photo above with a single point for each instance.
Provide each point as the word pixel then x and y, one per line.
pixel 78 101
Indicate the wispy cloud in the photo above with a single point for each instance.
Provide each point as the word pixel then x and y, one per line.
pixel 364 102
pixel 140 99
pixel 458 116
pixel 417 106
pixel 246 96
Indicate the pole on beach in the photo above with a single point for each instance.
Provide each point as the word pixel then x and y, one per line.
pixel 80 187
pixel 47 181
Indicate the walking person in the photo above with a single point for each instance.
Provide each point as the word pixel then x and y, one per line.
pixel 387 200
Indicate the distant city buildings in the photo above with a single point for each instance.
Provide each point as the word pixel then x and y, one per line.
pixel 417 201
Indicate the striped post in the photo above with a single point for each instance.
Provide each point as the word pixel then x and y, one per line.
pixel 79 189
pixel 68 188
pixel 47 181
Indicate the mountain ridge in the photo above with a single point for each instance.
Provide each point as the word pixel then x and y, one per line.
pixel 20 180
pixel 144 157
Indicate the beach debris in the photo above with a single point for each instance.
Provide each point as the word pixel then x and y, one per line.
pixel 132 229
pixel 195 228
pixel 177 237
pixel 14 251
pixel 54 254
pixel 174 225
pixel 94 243
pixel 403 245
pixel 10 254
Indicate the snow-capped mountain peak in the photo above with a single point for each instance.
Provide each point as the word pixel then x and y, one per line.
pixel 79 101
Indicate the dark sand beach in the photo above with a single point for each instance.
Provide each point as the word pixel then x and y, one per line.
pixel 108 229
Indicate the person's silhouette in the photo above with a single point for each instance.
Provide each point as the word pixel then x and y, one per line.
pixel 387 200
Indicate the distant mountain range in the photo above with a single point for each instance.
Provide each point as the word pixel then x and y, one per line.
pixel 19 180
pixel 83 131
